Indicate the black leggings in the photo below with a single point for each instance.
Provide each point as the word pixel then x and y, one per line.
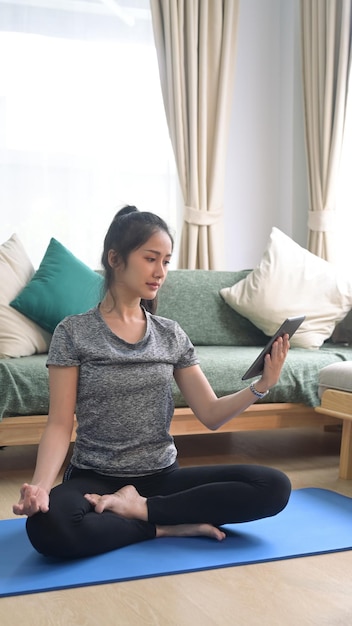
pixel 217 494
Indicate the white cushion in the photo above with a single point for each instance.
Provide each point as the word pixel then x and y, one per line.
pixel 19 336
pixel 336 376
pixel 291 281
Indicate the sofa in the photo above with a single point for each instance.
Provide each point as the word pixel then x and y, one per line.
pixel 227 336
pixel 226 343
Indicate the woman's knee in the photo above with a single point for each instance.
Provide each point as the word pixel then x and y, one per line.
pixel 277 491
pixel 56 532
pixel 46 536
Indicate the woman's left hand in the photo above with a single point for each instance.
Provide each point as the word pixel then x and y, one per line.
pixel 274 361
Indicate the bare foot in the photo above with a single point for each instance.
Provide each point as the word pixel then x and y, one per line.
pixel 191 530
pixel 126 502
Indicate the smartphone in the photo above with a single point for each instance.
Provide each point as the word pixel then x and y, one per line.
pixel 288 327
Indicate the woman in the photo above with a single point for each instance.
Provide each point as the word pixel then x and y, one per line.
pixel 114 366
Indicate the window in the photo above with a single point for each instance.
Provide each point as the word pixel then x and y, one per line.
pixel 82 122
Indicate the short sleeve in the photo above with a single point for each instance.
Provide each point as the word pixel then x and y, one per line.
pixel 187 353
pixel 62 351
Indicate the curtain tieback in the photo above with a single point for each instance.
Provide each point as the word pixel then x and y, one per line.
pixel 199 217
pixel 321 221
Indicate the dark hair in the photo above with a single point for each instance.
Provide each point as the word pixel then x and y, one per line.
pixel 128 231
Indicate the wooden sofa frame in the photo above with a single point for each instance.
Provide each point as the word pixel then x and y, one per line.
pixel 337 403
pixel 335 410
pixel 18 431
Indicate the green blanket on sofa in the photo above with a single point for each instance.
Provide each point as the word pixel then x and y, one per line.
pixel 226 343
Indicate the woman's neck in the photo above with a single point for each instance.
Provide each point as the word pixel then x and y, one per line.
pixel 113 306
pixel 126 320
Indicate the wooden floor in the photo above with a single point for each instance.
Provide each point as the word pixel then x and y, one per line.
pixel 310 591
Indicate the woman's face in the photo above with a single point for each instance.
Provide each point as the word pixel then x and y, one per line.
pixel 146 268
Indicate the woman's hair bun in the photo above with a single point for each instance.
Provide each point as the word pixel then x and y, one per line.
pixel 126 210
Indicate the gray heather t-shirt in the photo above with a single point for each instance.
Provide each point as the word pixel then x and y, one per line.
pixel 124 399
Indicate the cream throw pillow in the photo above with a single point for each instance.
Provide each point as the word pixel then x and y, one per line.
pixel 290 281
pixel 19 336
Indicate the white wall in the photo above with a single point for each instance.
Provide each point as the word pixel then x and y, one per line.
pixel 266 181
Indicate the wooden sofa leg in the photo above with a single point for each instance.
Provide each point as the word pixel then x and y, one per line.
pixel 346 450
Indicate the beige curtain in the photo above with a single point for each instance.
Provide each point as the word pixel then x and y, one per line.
pixel 326 42
pixel 196 47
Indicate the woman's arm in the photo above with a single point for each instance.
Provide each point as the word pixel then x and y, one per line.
pixel 54 443
pixel 213 412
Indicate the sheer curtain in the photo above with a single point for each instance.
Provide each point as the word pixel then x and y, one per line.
pixel 343 255
pixel 82 122
pixel 196 44
pixel 326 47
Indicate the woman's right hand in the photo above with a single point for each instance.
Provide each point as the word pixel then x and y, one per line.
pixel 54 443
pixel 32 500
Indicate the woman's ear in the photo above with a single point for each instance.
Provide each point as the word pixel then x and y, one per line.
pixel 113 259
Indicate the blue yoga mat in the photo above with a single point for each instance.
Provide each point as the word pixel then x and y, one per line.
pixel 315 521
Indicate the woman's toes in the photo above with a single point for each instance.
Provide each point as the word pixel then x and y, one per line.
pixel 92 498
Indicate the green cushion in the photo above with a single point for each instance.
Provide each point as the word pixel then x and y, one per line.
pixel 62 286
pixel 192 298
